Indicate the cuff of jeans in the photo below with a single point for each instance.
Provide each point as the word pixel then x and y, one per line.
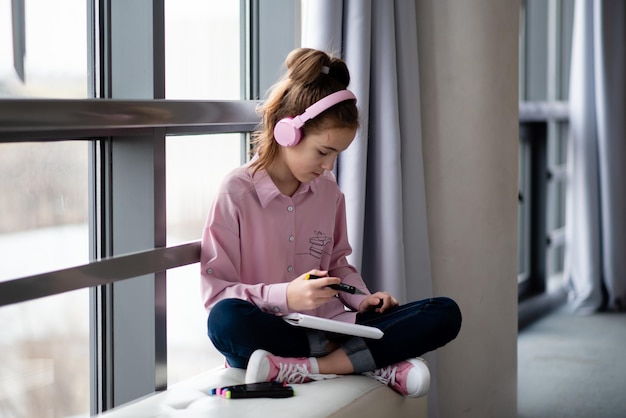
pixel 359 354
pixel 318 341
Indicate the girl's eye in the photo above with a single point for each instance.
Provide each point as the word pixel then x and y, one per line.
pixel 322 153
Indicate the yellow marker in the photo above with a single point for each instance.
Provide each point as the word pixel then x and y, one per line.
pixel 312 276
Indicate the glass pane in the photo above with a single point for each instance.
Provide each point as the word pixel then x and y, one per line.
pixel 44 370
pixel 535 51
pixel 566 28
pixel 44 343
pixel 556 257
pixel 523 212
pixel 559 209
pixel 560 258
pixel 195 168
pixel 521 268
pixel 562 140
pixel 521 41
pixel 189 350
pixel 202 49
pixel 44 207
pixel 43 49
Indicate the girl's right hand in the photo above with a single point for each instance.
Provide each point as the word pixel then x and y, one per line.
pixel 304 295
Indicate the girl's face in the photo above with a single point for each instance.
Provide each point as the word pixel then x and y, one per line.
pixel 316 152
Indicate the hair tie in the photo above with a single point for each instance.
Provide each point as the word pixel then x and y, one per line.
pixel 325 69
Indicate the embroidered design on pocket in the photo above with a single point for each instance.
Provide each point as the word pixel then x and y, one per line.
pixel 317 244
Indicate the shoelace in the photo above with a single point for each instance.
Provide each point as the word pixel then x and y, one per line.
pixel 385 375
pixel 298 373
pixel 292 373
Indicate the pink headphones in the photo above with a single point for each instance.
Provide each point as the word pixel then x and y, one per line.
pixel 287 131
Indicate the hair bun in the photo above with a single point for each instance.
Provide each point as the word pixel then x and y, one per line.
pixel 339 71
pixel 306 66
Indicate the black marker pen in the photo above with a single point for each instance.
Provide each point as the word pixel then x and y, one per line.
pixel 340 286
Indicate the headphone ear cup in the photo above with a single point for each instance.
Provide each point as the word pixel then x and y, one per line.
pixel 286 133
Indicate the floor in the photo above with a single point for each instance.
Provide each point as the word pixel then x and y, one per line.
pixel 573 366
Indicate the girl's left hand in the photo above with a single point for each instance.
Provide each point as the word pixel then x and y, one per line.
pixel 379 301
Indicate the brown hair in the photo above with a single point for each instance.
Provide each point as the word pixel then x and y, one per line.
pixel 303 84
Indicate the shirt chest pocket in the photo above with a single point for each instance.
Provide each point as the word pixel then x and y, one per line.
pixel 317 248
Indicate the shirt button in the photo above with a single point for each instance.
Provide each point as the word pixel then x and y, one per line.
pixel 291 238
pixel 276 309
pixel 209 271
pixel 290 269
pixel 290 208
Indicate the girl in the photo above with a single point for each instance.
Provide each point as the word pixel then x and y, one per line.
pixel 281 217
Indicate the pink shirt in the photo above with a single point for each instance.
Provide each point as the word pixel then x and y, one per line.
pixel 256 240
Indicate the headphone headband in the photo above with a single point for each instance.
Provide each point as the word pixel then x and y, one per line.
pixel 323 104
pixel 287 131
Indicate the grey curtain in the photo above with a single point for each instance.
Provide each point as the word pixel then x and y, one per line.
pixel 596 206
pixel 381 173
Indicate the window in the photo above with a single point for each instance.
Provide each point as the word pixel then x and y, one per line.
pixel 545 48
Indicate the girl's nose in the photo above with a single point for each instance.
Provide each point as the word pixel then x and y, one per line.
pixel 328 163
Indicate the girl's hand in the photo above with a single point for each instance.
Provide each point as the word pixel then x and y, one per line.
pixel 379 301
pixel 305 294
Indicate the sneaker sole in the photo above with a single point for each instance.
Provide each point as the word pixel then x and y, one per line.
pixel 423 384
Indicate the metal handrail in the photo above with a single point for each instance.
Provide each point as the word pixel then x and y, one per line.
pixel 44 119
pixel 542 111
pixel 100 272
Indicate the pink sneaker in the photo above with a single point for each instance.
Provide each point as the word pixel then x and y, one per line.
pixel 409 378
pixel 265 367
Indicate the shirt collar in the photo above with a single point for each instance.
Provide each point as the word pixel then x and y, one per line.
pixel 266 190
